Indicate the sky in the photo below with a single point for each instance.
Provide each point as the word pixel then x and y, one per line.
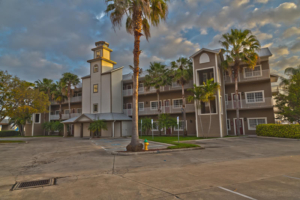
pixel 45 38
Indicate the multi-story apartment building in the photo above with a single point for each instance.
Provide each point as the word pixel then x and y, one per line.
pixel 105 93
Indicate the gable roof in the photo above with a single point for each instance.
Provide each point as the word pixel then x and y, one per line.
pixel 101 116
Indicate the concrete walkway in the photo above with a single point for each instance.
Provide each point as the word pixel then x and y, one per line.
pixel 238 168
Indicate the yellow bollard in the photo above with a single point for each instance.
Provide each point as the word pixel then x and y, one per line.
pixel 146 145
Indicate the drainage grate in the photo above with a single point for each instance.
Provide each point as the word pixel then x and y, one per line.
pixel 32 184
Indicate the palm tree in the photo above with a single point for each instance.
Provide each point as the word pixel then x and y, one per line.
pixel 239 47
pixel 97 125
pixel 59 91
pixel 140 14
pixel 45 86
pixel 204 93
pixel 290 72
pixel 182 73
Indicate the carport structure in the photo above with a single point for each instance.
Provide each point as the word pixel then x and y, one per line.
pixel 118 124
pixel 5 125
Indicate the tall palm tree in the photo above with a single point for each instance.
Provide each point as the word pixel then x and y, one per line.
pixel 59 95
pixel 239 47
pixel 204 93
pixel 45 86
pixel 97 125
pixel 290 72
pixel 158 76
pixel 140 14
pixel 182 73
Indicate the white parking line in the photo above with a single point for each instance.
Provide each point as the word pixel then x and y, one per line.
pixel 292 177
pixel 104 148
pixel 236 193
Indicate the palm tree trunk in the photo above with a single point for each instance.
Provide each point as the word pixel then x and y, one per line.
pixel 137 20
pixel 159 109
pixel 184 113
pixel 199 106
pixel 60 111
pixel 237 102
pixel 209 118
pixel 69 102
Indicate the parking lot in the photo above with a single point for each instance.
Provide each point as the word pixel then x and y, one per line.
pixel 230 168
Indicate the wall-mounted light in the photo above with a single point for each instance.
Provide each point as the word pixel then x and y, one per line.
pixel 147 102
pixel 191 121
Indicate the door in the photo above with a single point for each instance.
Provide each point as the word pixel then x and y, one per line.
pixel 240 127
pixel 129 109
pixel 235 104
pixel 167 106
pixel 168 132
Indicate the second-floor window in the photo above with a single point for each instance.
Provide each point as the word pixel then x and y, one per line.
pixel 95 89
pixel 177 103
pixel 96 69
pixel 66 111
pixel 141 87
pixel 204 75
pixel 141 106
pixel 154 105
pixel 252 72
pixel 254 97
pixel 95 108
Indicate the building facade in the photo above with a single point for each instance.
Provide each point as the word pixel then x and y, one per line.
pixel 107 94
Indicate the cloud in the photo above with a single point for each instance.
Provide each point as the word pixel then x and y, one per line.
pixel 261 1
pixel 284 63
pixel 291 32
pixel 280 51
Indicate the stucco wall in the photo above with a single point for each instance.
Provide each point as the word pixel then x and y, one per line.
pixel 106 94
pixel 116 89
pixel 95 79
pixel 77 129
pixel 106 54
pixel 86 131
pixel 108 132
pixel 117 129
pixel 106 66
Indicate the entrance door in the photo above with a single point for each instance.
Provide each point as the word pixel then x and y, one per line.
pixel 235 104
pixel 167 106
pixel 168 131
pixel 240 127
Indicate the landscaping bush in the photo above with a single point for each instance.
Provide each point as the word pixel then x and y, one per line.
pixel 279 130
pixel 9 133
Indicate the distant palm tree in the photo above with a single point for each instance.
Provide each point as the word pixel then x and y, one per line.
pixel 182 73
pixel 59 95
pixel 140 14
pixel 97 125
pixel 290 72
pixel 204 93
pixel 239 47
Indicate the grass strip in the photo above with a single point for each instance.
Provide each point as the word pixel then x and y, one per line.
pixel 173 140
pixel 11 141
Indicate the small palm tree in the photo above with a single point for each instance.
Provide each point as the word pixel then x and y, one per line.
pixel 182 73
pixel 239 47
pixel 140 14
pixel 59 95
pixel 97 125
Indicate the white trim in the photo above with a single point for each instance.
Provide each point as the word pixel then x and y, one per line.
pixel 233 100
pixel 175 127
pixel 157 106
pixel 263 94
pixel 234 127
pixel 174 104
pixel 143 106
pixel 244 73
pixel 249 128
pixel 205 58
pixel 196 74
pixel 229 129
pixel 219 95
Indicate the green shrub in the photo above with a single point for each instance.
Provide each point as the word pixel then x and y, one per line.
pixel 9 133
pixel 279 130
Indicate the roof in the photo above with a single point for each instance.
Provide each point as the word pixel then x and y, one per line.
pixel 102 116
pixel 264 52
pixel 216 51
pixel 87 76
pixel 4 122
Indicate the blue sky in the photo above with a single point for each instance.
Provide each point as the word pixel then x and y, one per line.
pixel 43 39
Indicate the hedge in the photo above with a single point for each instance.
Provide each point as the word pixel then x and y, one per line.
pixel 279 130
pixel 9 133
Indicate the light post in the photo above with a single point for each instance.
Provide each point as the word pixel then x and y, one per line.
pixel 152 127
pixel 178 128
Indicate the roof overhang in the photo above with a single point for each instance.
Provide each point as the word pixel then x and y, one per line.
pixel 208 50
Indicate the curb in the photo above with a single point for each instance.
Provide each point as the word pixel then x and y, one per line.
pixel 277 138
pixel 165 144
pixel 154 152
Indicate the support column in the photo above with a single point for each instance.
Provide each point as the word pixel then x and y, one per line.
pixel 65 130
pixel 113 128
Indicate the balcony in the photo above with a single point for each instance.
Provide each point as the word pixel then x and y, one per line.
pixel 142 90
pixel 249 76
pixel 64 116
pixel 164 109
pixel 73 100
pixel 268 102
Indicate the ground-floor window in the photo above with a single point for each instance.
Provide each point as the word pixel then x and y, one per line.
pixel 37 118
pixel 253 122
pixel 181 126
pixel 228 125
pixel 95 107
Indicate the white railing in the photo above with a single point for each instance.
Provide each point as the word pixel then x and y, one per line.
pixel 164 109
pixel 143 90
pixel 244 77
pixel 73 99
pixel 64 116
pixel 268 102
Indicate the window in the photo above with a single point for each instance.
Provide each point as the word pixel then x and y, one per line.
pixel 96 68
pixel 205 107
pixel 248 73
pixel 57 112
pixel 152 88
pixel 154 105
pixel 95 107
pixel 177 103
pixel 175 84
pixel 155 126
pixel 205 74
pixel 66 111
pixel 226 99
pixel 95 88
pixel 181 126
pixel 79 110
pixel 255 97
pixel 253 122
pixel 141 106
pixel 97 54
pixel 228 125
pixel 204 77
pixel 141 87
pixel 37 118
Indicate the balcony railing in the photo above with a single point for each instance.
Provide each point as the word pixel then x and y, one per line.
pixel 164 109
pixel 268 102
pixel 64 116
pixel 73 99
pixel 249 76
pixel 143 90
